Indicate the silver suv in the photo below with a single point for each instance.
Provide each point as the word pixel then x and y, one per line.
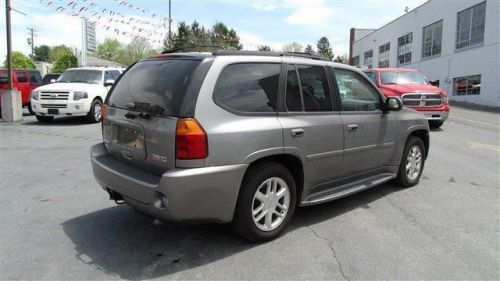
pixel 246 137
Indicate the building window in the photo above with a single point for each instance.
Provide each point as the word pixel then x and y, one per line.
pixel 383 55
pixel 431 43
pixel 470 26
pixel 404 48
pixel 369 59
pixel 355 60
pixel 467 85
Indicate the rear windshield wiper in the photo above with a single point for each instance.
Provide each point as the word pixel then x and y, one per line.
pixel 145 108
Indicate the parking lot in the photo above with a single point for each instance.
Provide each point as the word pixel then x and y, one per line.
pixel 57 223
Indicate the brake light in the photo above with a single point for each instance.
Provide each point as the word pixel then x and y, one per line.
pixel 190 140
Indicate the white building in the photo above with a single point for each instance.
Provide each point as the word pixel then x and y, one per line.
pixel 455 43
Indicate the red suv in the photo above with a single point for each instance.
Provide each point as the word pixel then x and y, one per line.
pixel 23 80
pixel 414 91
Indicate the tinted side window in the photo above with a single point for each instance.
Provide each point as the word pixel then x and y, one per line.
pixel 35 77
pixel 293 97
pixel 22 77
pixel 315 88
pixel 355 92
pixel 248 87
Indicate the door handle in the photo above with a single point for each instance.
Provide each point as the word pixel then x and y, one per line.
pixel 352 127
pixel 297 132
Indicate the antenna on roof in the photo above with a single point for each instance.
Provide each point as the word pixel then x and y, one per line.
pixel 407 9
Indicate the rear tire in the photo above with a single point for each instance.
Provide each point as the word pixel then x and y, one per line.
pixel 412 163
pixel 44 119
pixel 266 202
pixel 435 124
pixel 94 114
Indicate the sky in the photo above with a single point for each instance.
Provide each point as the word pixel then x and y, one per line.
pixel 258 22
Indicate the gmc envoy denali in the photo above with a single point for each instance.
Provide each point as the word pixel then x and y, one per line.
pixel 246 137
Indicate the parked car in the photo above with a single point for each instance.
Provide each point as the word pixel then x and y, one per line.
pixel 50 78
pixel 24 80
pixel 414 90
pixel 77 92
pixel 246 137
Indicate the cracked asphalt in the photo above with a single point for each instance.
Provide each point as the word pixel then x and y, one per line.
pixel 57 223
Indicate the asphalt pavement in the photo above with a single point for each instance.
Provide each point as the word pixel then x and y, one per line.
pixel 57 223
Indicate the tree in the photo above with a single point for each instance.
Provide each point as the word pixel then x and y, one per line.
pixel 20 61
pixel 134 51
pixel 108 49
pixel 293 47
pixel 264 48
pixel 342 59
pixel 59 51
pixel 41 53
pixel 324 48
pixel 64 62
pixel 196 38
pixel 309 49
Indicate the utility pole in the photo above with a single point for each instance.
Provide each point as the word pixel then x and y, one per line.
pixel 9 45
pixel 31 42
pixel 170 22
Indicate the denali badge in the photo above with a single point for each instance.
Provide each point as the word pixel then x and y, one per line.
pixel 158 158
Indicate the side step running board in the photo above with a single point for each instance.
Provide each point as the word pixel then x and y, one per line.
pixel 346 189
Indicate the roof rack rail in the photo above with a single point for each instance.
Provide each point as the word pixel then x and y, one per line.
pixel 269 54
pixel 190 49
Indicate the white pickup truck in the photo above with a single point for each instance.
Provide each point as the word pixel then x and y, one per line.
pixel 77 92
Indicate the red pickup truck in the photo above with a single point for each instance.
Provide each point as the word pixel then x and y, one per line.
pixel 414 91
pixel 23 80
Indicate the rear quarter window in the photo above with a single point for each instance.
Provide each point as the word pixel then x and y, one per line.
pixel 154 86
pixel 248 87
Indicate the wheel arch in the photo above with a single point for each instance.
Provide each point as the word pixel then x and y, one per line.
pixel 424 136
pixel 291 162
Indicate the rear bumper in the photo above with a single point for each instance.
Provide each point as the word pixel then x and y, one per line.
pixel 197 194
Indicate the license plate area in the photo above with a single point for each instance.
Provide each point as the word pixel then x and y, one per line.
pixel 53 111
pixel 129 137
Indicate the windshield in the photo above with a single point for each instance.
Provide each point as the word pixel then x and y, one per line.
pixel 81 76
pixel 154 86
pixel 402 77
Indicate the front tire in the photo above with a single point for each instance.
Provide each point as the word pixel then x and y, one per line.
pixel 94 114
pixel 266 202
pixel 30 109
pixel 412 164
pixel 44 119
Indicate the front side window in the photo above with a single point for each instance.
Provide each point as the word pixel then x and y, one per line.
pixel 470 26
pixel 368 59
pixel 383 55
pixel 356 93
pixel 404 48
pixel 467 85
pixel 248 87
pixel 81 76
pixel 431 43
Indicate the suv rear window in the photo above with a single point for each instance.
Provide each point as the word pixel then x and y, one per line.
pixel 154 86
pixel 248 87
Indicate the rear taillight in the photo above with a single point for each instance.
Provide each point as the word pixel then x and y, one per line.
pixel 104 112
pixel 190 140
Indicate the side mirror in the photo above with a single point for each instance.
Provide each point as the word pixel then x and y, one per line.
pixel 109 83
pixel 393 104
pixel 52 80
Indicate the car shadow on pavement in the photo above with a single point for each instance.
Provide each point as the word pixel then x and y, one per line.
pixel 61 121
pixel 126 244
